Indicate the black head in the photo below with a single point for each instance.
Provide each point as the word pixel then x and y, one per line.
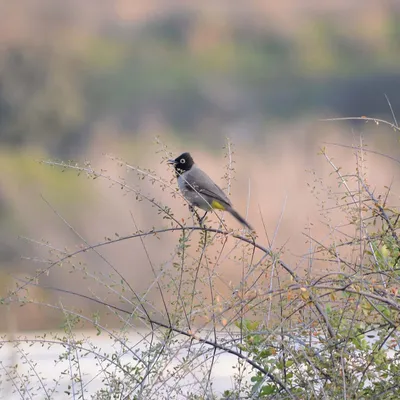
pixel 182 163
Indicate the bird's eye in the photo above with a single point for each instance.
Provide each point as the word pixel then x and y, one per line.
pixel 182 161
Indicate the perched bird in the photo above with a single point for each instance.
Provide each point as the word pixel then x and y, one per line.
pixel 199 189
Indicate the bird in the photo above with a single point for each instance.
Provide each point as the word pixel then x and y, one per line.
pixel 200 190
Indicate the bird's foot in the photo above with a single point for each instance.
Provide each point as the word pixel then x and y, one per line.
pixel 201 220
pixel 193 211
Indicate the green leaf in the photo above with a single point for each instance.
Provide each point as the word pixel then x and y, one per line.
pixel 268 389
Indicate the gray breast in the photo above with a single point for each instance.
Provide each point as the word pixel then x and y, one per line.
pixel 199 189
pixel 190 193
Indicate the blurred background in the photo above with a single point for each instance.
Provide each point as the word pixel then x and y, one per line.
pixel 79 79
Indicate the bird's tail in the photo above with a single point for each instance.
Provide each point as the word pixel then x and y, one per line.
pixel 240 218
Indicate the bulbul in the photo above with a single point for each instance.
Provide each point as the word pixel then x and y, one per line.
pixel 199 189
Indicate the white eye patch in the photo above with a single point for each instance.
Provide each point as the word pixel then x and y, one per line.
pixel 182 161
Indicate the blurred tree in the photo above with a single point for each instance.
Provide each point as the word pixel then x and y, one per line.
pixel 41 100
pixel 66 68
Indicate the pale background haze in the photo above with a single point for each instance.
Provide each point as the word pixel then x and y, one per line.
pixel 81 80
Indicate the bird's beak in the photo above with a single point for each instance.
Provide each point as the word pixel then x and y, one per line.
pixel 171 162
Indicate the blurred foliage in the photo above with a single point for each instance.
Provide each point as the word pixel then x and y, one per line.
pixel 184 67
pixel 41 99
pixel 23 181
pixel 24 170
pixel 71 69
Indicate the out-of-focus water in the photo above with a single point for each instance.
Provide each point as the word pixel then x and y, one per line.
pixel 38 375
pixel 41 374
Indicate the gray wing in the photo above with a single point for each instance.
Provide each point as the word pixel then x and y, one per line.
pixel 199 181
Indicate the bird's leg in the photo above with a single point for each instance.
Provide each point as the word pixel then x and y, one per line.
pixel 193 211
pixel 202 218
